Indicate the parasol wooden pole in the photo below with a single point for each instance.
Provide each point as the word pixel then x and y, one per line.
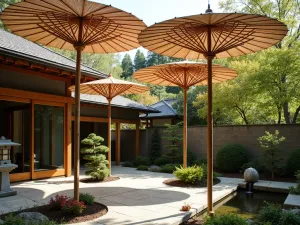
pixel 210 57
pixel 109 135
pixel 79 48
pixel 185 127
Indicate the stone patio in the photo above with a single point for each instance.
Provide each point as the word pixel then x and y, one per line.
pixel 137 198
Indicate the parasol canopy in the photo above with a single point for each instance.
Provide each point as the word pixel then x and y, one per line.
pixel 183 74
pixel 56 23
pixel 232 34
pixel 110 87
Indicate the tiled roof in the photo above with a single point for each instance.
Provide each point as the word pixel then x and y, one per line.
pixel 15 46
pixel 118 101
pixel 165 108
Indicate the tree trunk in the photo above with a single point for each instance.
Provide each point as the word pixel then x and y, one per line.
pixel 279 115
pixel 287 114
pixel 296 114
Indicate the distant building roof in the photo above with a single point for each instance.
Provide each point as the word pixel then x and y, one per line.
pixel 165 107
pixel 18 47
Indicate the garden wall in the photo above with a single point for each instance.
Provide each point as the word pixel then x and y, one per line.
pixel 245 135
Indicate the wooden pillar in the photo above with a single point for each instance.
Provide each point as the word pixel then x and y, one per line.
pixel 32 142
pixel 210 57
pixel 118 143
pixel 185 128
pixel 137 140
pixel 68 154
pixel 109 135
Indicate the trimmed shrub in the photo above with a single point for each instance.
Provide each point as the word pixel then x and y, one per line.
pixel 154 168
pixel 57 202
pixel 141 160
pixel 169 168
pixel 256 164
pixel 227 219
pixel 189 175
pixel 293 162
pixel 142 167
pixel 73 207
pixel 128 164
pixel 86 198
pixel 162 160
pixel 231 157
pixel 269 213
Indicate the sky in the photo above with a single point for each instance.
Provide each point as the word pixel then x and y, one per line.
pixel 151 11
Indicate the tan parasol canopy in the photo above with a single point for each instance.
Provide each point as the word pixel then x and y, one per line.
pixel 229 34
pixel 110 88
pixel 184 74
pixel 74 25
pixel 208 36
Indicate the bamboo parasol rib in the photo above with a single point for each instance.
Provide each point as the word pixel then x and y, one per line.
pixel 184 74
pixel 77 25
pixel 110 88
pixel 212 35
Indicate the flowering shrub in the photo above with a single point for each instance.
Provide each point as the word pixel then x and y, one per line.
pixel 58 201
pixel 73 207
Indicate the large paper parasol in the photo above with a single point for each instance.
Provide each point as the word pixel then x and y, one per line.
pixel 74 25
pixel 110 88
pixel 208 36
pixel 184 74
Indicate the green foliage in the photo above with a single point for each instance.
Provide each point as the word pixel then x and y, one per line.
pixel 293 162
pixel 142 167
pixel 271 152
pixel 15 220
pixel 141 160
pixel 269 213
pixel 139 60
pixel 227 219
pixel 274 215
pixel 173 135
pixel 200 161
pixel 127 67
pixel 296 190
pixel 256 164
pixel 162 160
pixel 289 218
pixel 128 164
pixel 86 198
pixel 189 175
pixel 94 153
pixel 231 157
pixel 192 116
pixel 155 146
pixel 169 168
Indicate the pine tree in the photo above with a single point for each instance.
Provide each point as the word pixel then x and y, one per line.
pixel 127 67
pixel 94 152
pixel 173 134
pixel 155 146
pixel 139 60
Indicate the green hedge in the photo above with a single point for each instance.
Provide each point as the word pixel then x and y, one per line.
pixel 231 157
pixel 190 175
pixel 141 160
pixel 142 167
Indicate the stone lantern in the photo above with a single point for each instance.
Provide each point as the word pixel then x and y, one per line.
pixel 5 167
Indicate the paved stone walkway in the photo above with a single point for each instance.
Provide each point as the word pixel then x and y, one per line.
pixel 137 198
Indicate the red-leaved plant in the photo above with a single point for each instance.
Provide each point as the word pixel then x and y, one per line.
pixel 73 207
pixel 58 202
